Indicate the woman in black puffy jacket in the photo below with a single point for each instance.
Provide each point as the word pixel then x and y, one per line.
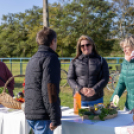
pixel 88 72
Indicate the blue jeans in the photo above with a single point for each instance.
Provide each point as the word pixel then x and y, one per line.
pixel 91 103
pixel 40 126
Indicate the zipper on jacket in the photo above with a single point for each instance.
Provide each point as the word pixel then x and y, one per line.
pixel 88 73
pixel 126 76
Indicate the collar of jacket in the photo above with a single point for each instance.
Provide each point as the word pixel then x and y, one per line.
pixel 92 55
pixel 131 61
pixel 46 48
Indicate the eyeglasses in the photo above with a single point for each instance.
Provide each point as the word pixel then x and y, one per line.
pixel 125 47
pixel 87 45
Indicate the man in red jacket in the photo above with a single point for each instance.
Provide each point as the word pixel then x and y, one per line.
pixel 5 74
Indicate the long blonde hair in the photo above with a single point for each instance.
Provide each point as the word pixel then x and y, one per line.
pixel 78 47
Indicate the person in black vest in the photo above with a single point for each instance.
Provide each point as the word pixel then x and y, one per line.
pixel 42 103
pixel 88 72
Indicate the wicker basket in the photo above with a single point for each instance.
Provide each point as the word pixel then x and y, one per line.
pixel 7 100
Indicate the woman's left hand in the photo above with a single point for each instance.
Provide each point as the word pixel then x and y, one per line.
pixel 90 92
pixel 132 111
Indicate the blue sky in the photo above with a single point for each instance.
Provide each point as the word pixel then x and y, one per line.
pixel 16 6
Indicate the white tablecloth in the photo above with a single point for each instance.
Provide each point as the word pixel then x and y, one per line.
pixel 72 124
pixel 13 121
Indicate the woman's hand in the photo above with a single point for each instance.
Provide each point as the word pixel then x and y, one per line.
pixel 112 104
pixel 87 91
pixel 90 92
pixel 84 91
pixel 132 111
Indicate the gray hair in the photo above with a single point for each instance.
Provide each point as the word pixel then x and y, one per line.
pixel 129 41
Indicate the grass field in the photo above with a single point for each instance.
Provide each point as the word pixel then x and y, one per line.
pixel 67 97
pixel 19 67
pixel 66 92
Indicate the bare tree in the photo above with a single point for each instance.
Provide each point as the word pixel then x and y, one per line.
pixel 45 13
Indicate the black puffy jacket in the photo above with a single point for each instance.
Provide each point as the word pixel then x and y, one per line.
pixel 89 71
pixel 42 86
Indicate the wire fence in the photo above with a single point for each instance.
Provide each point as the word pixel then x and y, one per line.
pixel 18 66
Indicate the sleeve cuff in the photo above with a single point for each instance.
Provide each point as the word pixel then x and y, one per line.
pixel 78 88
pixel 56 123
pixel 95 89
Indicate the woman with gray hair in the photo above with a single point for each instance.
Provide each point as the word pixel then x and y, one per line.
pixel 88 72
pixel 126 79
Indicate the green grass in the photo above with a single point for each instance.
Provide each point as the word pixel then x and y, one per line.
pixel 108 94
pixel 67 97
pixel 15 66
pixel 65 67
pixel 66 93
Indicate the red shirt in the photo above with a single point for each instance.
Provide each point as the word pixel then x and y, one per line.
pixel 5 74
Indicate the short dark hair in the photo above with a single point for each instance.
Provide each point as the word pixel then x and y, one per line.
pixel 45 36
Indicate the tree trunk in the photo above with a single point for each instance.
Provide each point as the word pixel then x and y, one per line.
pixel 45 13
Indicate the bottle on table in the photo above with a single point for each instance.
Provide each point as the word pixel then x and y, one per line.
pixel 77 102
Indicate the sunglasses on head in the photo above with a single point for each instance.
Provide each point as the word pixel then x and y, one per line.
pixel 82 46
